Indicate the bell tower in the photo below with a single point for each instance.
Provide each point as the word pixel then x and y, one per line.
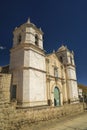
pixel 66 57
pixel 27 64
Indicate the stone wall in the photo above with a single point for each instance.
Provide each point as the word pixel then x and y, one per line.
pixel 15 118
pixel 5 82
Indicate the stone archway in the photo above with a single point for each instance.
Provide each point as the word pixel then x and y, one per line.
pixel 56 96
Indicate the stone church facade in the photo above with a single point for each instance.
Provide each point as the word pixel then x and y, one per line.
pixel 40 79
pixel 61 77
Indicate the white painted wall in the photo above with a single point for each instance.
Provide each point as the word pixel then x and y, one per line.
pixel 73 90
pixel 71 73
pixel 17 58
pixel 37 86
pixel 37 61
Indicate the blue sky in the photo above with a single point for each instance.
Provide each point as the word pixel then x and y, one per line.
pixel 62 21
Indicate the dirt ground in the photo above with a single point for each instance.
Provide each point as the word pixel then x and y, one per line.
pixel 76 122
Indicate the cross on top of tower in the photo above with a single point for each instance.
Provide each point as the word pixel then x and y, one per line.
pixel 28 21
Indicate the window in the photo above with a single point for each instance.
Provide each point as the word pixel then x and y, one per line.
pixel 61 59
pixel 56 72
pixel 36 40
pixel 19 38
pixel 14 89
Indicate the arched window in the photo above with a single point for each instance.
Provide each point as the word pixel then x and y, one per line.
pixel 19 39
pixel 36 40
pixel 61 59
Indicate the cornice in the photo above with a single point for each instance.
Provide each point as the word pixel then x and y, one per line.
pixel 50 76
pixel 70 65
pixel 28 68
pixel 72 80
pixel 25 25
pixel 26 46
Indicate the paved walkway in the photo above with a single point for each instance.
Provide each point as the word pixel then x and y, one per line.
pixel 78 122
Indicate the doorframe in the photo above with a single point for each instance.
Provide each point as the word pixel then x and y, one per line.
pixel 52 93
pixel 59 96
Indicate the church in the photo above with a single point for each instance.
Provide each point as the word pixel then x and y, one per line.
pixel 40 79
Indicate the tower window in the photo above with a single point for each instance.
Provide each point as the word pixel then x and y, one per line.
pixel 61 59
pixel 36 40
pixel 19 38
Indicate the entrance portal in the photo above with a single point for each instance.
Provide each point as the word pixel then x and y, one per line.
pixel 56 96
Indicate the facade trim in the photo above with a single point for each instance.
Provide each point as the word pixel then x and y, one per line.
pixel 34 69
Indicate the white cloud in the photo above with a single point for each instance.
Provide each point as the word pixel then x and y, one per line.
pixel 2 48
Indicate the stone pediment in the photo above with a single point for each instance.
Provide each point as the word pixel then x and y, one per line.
pixel 62 48
pixel 53 58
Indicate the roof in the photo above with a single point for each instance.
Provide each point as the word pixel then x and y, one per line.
pixel 30 24
pixel 62 48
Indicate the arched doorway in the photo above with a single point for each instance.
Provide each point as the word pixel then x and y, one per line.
pixel 56 96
